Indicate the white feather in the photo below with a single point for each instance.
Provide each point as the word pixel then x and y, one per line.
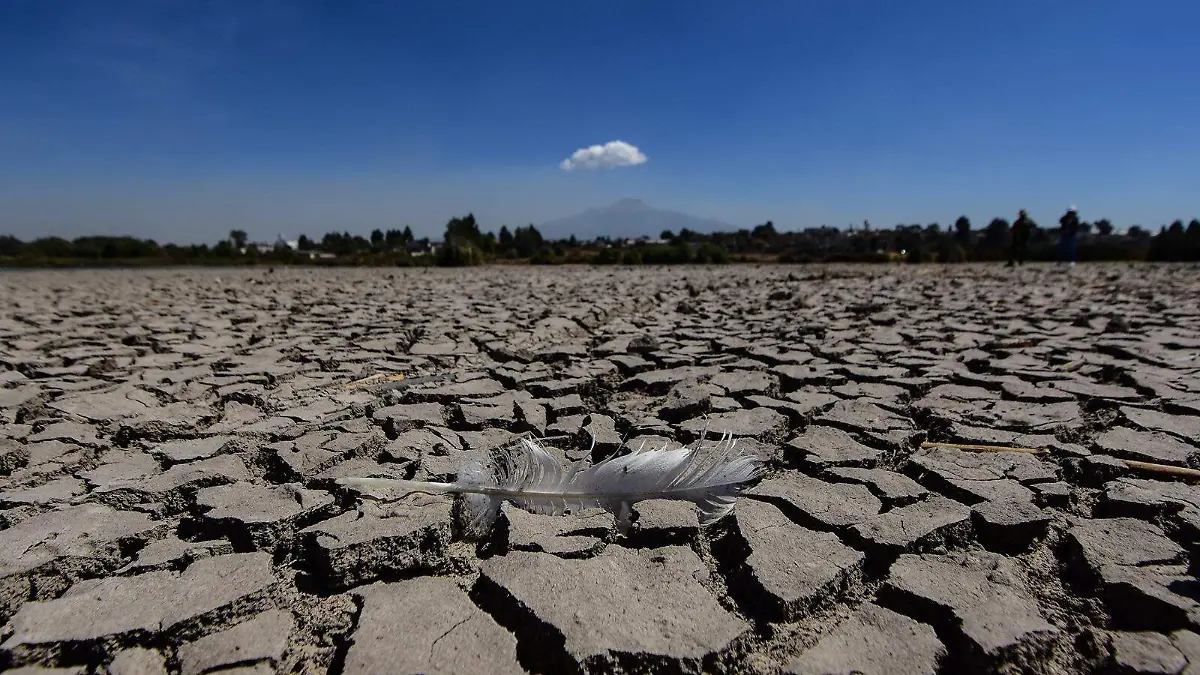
pixel 710 475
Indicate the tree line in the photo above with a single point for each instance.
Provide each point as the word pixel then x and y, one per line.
pixel 465 243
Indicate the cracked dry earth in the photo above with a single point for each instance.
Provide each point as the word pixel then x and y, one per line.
pixel 169 442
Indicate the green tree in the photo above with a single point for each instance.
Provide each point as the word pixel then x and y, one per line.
pixel 393 239
pixel 463 243
pixel 527 241
pixel 223 250
pixel 962 229
pixel 459 253
pixel 334 243
pixel 282 252
pixel 1104 226
pixel 52 247
pixel 10 246
pixel 996 233
pixel 766 231
pixel 377 239
pixel 304 243
pixel 711 254
pixel 238 237
pixel 465 229
pixel 1191 240
pixel 341 243
pixel 1169 244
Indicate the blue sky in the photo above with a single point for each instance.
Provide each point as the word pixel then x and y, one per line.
pixel 181 119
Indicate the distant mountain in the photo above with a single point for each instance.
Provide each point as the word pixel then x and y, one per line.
pixel 628 218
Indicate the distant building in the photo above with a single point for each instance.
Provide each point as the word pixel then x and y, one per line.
pixel 422 247
pixel 645 240
pixel 316 255
pixel 263 248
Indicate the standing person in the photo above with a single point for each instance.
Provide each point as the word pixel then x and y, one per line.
pixel 1022 227
pixel 1068 234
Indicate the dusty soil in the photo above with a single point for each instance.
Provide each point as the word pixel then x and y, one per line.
pixel 170 441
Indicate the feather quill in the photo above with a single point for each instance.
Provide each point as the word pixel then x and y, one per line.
pixel 711 475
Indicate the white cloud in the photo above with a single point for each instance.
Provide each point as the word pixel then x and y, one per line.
pixel 611 154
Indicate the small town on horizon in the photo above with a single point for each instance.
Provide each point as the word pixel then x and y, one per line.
pixel 906 243
pixel 464 242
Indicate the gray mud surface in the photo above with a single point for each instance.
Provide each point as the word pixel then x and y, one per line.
pixel 169 442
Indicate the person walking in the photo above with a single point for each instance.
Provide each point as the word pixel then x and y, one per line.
pixel 1022 227
pixel 1068 235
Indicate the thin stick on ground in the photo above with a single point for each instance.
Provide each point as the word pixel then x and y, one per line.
pixel 1152 467
pixel 386 381
pixel 380 378
pixel 974 447
pixel 1162 468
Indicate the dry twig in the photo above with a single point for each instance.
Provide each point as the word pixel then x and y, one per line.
pixel 380 378
pixel 1152 467
pixel 1162 468
pixel 973 447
